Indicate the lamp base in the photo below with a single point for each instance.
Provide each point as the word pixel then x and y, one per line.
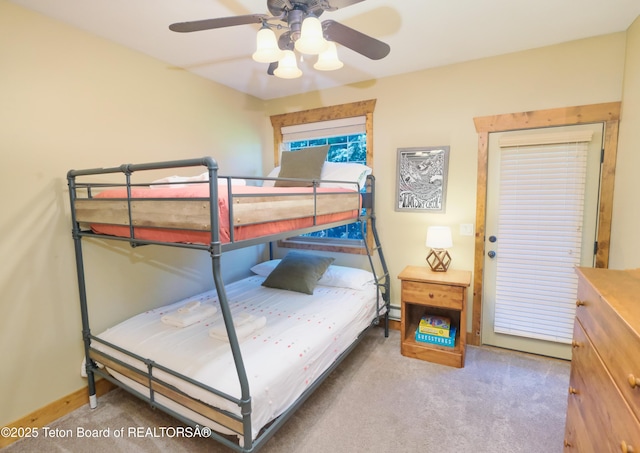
pixel 439 260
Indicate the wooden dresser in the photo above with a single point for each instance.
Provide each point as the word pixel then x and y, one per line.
pixel 603 413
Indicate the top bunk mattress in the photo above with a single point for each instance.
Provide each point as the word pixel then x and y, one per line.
pixel 183 214
pixel 301 336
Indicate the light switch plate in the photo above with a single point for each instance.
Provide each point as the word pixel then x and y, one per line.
pixel 466 229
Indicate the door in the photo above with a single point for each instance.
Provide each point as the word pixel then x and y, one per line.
pixel 529 284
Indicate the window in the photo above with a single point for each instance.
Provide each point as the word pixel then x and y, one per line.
pixel 350 139
pixel 342 148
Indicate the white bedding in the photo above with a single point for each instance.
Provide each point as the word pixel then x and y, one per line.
pixel 303 335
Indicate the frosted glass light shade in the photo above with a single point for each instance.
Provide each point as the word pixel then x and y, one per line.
pixel 328 60
pixel 267 50
pixel 287 66
pixel 311 41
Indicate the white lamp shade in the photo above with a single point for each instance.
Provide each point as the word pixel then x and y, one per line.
pixel 328 60
pixel 287 66
pixel 311 41
pixel 267 50
pixel 439 237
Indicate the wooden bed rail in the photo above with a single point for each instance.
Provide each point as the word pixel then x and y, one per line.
pixel 154 385
pixel 194 214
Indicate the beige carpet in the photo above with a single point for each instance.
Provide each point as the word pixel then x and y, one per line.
pixel 376 401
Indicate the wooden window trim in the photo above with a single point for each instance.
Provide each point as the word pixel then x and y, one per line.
pixel 353 109
pixel 607 113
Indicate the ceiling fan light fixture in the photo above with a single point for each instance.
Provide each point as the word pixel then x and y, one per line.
pixel 311 41
pixel 267 50
pixel 328 60
pixel 287 66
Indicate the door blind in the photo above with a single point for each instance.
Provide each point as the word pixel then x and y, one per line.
pixel 540 218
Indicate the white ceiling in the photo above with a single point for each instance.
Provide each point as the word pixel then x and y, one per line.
pixel 422 34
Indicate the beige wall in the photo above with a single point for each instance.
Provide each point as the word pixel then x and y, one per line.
pixel 436 107
pixel 625 242
pixel 71 100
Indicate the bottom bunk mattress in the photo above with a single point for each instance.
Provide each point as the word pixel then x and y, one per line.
pixel 294 338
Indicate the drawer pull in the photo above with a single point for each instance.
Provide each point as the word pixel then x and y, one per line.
pixel 579 303
pixel 573 391
pixel 567 443
pixel 575 344
pixel 430 295
pixel 633 381
pixel 626 448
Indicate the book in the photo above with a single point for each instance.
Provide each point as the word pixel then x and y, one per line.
pixel 435 325
pixel 448 341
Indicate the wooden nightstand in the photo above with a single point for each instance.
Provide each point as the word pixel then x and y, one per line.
pixel 438 293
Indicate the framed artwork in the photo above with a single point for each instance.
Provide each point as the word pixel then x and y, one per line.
pixel 422 179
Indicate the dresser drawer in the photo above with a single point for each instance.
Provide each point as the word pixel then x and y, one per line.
pixel 599 419
pixel 448 296
pixel 616 343
pixel 574 438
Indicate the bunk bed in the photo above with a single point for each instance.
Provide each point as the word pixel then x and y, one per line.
pixel 228 387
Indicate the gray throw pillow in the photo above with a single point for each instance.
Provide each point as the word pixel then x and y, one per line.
pixel 298 272
pixel 304 164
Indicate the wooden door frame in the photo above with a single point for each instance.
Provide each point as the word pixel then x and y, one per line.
pixel 607 113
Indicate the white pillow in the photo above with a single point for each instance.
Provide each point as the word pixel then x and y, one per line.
pixel 346 277
pixel 173 182
pixel 272 174
pixel 341 276
pixel 334 171
pixel 234 181
pixel 344 171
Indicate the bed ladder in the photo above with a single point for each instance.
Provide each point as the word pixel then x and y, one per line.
pixel 382 280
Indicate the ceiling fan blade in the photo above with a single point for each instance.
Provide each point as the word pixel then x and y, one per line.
pixel 208 24
pixel 354 40
pixel 332 5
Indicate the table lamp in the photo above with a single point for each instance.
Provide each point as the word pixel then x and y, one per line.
pixel 438 240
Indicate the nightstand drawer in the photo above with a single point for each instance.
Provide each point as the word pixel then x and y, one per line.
pixel 445 296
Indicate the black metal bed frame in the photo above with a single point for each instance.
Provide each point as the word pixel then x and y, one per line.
pixel 215 248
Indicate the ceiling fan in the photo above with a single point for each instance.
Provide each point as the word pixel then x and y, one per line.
pixel 302 31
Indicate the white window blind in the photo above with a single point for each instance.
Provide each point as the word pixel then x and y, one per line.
pixel 540 217
pixel 322 129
